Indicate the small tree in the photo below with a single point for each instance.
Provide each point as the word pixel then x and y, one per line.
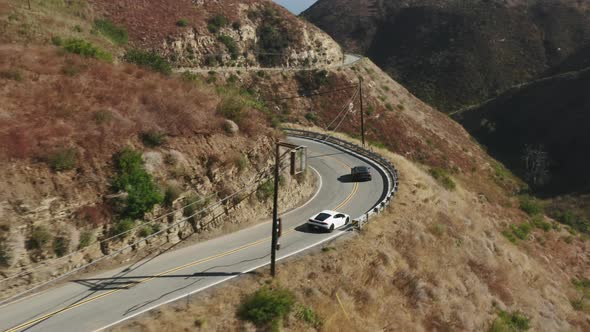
pixel 536 165
pixel 132 178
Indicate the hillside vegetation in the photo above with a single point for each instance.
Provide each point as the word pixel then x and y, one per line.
pixel 95 141
pixel 435 261
pixel 550 114
pixel 456 53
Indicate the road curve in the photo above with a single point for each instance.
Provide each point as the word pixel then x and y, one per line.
pixel 111 297
pixel 348 60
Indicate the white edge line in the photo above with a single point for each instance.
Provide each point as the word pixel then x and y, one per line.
pixel 256 267
pixel 340 233
pixel 321 183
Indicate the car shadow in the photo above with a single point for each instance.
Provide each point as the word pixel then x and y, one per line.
pixel 349 179
pixel 305 228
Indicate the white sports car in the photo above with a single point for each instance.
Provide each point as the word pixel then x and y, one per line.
pixel 328 220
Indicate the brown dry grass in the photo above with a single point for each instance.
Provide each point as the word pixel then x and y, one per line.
pixel 435 261
pixel 150 22
pixel 98 109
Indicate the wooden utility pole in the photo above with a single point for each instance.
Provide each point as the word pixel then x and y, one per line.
pixel 275 213
pixel 362 112
pixel 29 2
pixel 277 225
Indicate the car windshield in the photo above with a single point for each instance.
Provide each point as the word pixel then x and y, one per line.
pixel 322 216
pixel 361 169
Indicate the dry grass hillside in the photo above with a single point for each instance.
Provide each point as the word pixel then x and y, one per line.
pixel 65 121
pixel 221 33
pixel 94 145
pixel 454 252
pixel 435 261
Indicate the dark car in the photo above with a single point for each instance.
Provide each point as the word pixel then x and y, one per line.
pixel 361 173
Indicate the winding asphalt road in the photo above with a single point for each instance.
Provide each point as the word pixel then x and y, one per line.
pixel 111 297
pixel 348 60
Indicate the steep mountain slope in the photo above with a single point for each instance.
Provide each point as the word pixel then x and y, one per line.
pixel 454 250
pixel 551 113
pixel 456 53
pixel 213 33
pixel 433 262
pixel 93 146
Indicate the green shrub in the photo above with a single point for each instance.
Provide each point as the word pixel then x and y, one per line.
pixel 123 226
pixel 149 60
pixel 217 22
pixel 195 207
pixel 539 222
pixel 438 229
pixel 518 232
pixel 39 239
pixel 153 139
pixel 312 80
pixel 233 79
pixel 102 117
pixel 61 245
pixel 232 107
pixel 183 22
pixel 77 28
pixel 509 235
pixel 510 322
pixel 86 238
pixel 242 162
pixel 5 253
pixel 572 220
pixel 114 33
pixel 57 41
pixel 11 74
pixel 231 45
pixel 87 49
pixel 311 116
pixel 578 304
pixel 582 284
pixel 443 177
pixel 146 231
pixel 132 178
pixel 521 231
pixel 379 145
pixel 389 107
pixel 237 25
pixel 307 315
pixel 171 194
pixel 70 70
pixel 62 159
pixel 272 43
pixel 190 77
pixel 265 190
pixel 266 306
pixel 530 205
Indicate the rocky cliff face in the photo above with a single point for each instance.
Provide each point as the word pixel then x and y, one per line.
pixel 65 121
pixel 224 33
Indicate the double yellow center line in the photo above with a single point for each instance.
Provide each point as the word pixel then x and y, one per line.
pixel 191 264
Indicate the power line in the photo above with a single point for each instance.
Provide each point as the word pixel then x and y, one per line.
pixel 349 111
pixel 255 183
pixel 307 95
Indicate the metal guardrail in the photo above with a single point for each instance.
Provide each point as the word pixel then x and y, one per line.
pixel 386 166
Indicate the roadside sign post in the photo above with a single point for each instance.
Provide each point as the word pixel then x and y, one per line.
pixel 362 112
pixel 275 212
pixel 294 151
